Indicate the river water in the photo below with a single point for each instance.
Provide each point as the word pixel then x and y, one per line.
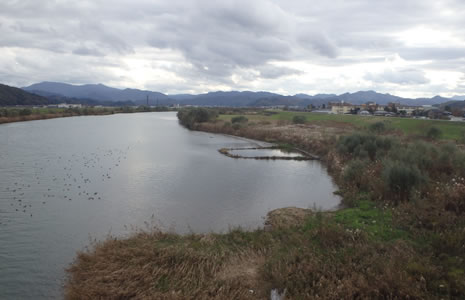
pixel 64 182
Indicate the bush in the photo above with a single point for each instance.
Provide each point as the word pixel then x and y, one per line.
pixel 363 146
pixel 126 109
pixel 237 126
pixel 12 112
pixel 354 171
pixel 377 127
pixel 239 119
pixel 188 117
pixel 434 133
pixel 462 137
pixel 299 120
pixel 25 112
pixel 401 179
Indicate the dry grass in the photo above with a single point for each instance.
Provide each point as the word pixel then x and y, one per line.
pixel 314 258
pixel 164 266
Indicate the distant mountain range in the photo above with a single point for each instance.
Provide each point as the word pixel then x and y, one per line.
pixel 98 93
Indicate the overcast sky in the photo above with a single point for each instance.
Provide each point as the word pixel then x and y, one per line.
pixel 409 48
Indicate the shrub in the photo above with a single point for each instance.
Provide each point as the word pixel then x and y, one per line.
pixel 236 126
pixel 268 123
pixel 299 119
pixel 354 171
pixel 25 112
pixel 126 109
pixel 188 117
pixel 377 127
pixel 362 146
pixel 417 153
pixel 239 119
pixel 401 179
pixel 13 112
pixel 434 133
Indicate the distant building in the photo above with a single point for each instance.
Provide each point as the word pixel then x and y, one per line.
pixel 370 107
pixel 408 110
pixel 341 107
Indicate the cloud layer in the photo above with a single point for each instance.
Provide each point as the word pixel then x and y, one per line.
pixel 409 48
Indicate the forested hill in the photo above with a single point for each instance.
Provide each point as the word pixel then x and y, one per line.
pixel 10 96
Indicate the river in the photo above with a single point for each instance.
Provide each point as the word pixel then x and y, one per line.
pixel 65 182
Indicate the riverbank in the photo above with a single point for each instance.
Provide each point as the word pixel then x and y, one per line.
pixel 11 115
pixel 400 235
pixel 4 120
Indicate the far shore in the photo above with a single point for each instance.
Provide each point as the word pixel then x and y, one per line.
pixel 13 114
pixel 5 120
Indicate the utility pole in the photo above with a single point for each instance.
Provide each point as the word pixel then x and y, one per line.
pixel 147 100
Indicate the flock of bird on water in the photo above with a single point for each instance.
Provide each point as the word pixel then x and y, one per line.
pixel 74 182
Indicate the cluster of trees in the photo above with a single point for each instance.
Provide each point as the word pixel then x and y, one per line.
pixel 190 116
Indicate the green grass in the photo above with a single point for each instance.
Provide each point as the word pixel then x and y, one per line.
pixel 417 127
pixel 366 217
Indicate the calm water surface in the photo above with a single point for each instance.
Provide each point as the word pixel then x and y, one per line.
pixel 66 181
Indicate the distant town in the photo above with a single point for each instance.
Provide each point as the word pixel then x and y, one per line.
pixel 391 109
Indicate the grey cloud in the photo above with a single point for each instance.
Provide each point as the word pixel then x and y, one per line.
pixel 233 34
pixel 273 72
pixel 457 65
pixel 321 44
pixel 402 77
pixel 87 51
pixel 28 28
pixel 439 53
pixel 218 40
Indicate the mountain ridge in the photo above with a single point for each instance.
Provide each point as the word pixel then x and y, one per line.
pixel 100 92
